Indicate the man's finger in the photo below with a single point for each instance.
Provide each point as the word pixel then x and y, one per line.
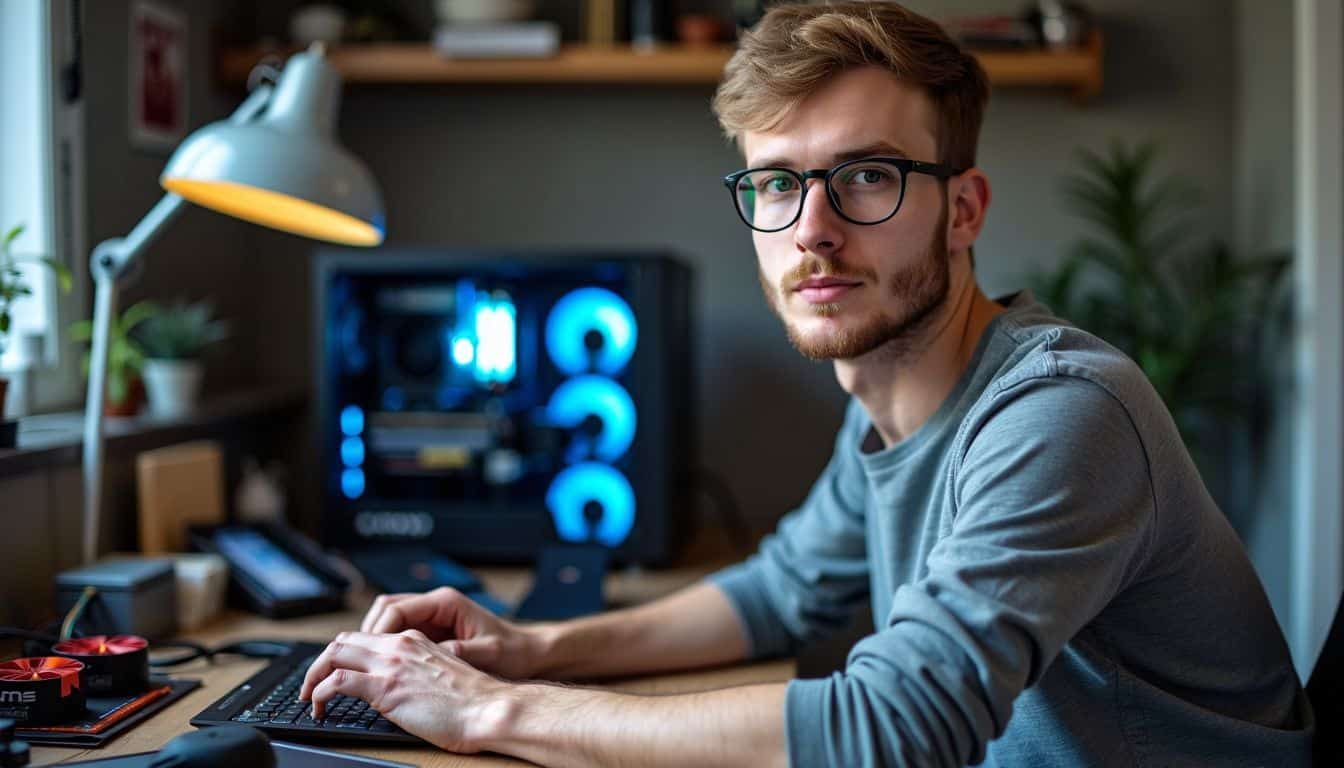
pixel 481 653
pixel 360 685
pixel 350 650
pixel 438 609
pixel 379 607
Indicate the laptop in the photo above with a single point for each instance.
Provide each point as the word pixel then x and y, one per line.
pixel 269 701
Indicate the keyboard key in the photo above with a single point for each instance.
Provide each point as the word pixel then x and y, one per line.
pixel 248 716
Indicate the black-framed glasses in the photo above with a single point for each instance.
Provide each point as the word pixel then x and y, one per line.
pixel 864 191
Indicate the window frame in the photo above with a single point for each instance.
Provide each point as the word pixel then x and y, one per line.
pixel 57 382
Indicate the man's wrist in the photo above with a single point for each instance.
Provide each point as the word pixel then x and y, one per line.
pixel 516 722
pixel 544 643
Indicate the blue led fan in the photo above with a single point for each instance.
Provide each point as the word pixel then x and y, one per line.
pixel 599 402
pixel 579 494
pixel 591 329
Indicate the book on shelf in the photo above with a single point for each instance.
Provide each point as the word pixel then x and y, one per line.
pixel 528 39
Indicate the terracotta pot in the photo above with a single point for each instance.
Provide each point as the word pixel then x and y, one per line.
pixel 135 398
pixel 699 29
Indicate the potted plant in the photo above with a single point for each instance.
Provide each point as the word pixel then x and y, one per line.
pixel 1190 313
pixel 13 287
pixel 174 338
pixel 125 359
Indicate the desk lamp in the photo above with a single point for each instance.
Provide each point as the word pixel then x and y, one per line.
pixel 273 162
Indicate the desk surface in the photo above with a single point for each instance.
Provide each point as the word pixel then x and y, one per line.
pixel 624 588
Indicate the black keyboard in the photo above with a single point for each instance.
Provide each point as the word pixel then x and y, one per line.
pixel 269 701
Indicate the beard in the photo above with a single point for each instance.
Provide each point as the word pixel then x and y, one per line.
pixel 917 291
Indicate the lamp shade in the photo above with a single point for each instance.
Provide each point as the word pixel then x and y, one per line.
pixel 284 170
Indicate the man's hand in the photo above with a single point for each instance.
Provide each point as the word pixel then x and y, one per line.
pixel 461 627
pixel 412 681
pixel 420 686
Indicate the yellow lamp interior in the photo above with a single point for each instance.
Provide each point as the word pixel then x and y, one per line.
pixel 277 211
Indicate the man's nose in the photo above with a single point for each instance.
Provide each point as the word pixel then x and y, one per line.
pixel 819 227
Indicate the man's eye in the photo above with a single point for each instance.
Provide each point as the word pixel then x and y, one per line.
pixel 868 176
pixel 779 184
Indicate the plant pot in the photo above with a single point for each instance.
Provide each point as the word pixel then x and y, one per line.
pixel 173 387
pixel 130 405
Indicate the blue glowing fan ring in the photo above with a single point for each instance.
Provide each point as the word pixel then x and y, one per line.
pixel 598 396
pixel 575 486
pixel 591 309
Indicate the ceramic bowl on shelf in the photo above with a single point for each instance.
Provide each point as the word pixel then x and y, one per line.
pixel 483 11
pixel 317 23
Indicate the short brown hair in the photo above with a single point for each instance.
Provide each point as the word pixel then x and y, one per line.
pixel 796 48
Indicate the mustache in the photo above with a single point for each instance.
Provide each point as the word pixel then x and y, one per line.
pixel 817 266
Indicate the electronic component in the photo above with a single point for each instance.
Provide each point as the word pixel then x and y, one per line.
pixel 41 690
pixel 114 665
pixel 489 405
pixel 133 596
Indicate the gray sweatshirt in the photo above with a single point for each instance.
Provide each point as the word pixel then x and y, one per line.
pixel 1051 583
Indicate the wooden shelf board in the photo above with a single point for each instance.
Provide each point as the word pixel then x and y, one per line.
pixel 1079 70
pixel 419 63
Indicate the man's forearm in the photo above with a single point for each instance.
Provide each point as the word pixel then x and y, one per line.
pixel 554 725
pixel 695 627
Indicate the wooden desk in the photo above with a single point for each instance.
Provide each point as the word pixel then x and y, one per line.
pixel 626 588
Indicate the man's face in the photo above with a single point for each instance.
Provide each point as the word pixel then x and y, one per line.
pixel 845 289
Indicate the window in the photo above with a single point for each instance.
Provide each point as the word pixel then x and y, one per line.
pixel 37 128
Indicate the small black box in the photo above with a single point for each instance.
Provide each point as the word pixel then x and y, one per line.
pixel 136 596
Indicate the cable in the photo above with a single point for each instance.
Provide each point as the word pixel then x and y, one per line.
pixel 256 649
pixel 76 610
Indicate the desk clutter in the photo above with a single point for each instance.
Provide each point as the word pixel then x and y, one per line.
pixel 88 691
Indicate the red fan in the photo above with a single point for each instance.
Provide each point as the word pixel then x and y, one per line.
pixel 41 690
pixel 100 645
pixel 114 664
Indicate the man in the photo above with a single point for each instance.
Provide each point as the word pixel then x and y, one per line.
pixel 1050 581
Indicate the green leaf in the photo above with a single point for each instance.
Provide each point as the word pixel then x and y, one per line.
pixel 81 330
pixel 136 314
pixel 63 277
pixel 10 237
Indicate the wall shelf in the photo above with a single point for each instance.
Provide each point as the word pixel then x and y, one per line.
pixel 1079 71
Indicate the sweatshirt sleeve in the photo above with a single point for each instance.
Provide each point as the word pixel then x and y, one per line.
pixel 1054 509
pixel 808 577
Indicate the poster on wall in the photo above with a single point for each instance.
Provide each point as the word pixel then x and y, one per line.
pixel 158 77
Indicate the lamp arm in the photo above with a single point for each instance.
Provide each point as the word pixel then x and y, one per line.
pixel 108 262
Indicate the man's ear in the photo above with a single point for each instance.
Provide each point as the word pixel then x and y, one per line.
pixel 968 199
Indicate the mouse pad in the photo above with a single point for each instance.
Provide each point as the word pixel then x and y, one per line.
pixel 107 717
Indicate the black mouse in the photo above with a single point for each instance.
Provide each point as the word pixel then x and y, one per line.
pixel 223 746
